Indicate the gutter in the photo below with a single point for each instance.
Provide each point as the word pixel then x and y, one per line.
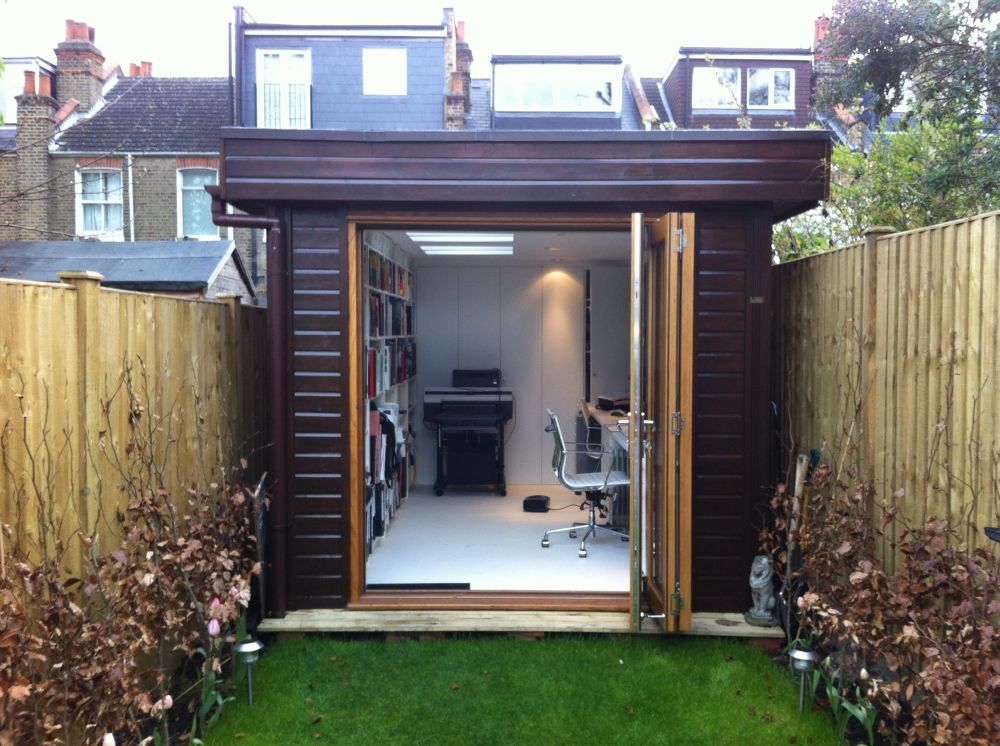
pixel 277 371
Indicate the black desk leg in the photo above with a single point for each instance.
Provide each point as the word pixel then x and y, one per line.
pixel 501 478
pixel 439 480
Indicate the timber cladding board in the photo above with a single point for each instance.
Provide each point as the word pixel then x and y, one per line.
pixel 319 400
pixel 728 431
pixel 612 168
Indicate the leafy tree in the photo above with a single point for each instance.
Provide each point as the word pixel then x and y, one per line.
pixel 946 52
pixel 943 163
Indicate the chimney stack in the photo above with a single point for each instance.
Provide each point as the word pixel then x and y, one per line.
pixel 35 126
pixel 79 65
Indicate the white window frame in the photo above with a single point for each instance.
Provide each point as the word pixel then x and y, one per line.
pixel 705 75
pixel 790 105
pixel 180 203
pixel 103 235
pixel 380 71
pixel 284 80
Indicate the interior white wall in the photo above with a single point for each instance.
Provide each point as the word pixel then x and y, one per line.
pixel 609 330
pixel 529 321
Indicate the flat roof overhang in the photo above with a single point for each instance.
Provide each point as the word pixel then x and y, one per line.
pixel 526 171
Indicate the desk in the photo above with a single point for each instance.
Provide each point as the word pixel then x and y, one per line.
pixel 614 438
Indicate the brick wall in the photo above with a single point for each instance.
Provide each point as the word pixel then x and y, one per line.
pixel 32 178
pixel 8 183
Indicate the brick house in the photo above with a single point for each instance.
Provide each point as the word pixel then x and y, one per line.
pixel 101 155
pixel 712 86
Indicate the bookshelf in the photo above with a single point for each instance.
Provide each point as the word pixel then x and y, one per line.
pixel 390 357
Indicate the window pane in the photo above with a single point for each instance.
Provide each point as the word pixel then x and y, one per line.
pixel 298 101
pixel 272 105
pixel 198 178
pixel 383 72
pixel 715 87
pixel 92 218
pixel 112 186
pixel 90 182
pixel 760 81
pixel 197 207
pixel 782 87
pixel 113 218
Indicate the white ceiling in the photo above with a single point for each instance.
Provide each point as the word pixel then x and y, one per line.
pixel 533 247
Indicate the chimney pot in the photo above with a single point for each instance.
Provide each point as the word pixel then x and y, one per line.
pixel 460 33
pixel 90 33
pixel 146 69
pixel 44 85
pixel 133 70
pixel 29 82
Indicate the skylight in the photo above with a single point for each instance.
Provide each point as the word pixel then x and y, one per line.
pixel 463 244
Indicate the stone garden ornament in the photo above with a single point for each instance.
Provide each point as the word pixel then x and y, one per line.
pixel 762 592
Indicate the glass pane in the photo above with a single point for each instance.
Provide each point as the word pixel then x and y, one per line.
pixel 92 218
pixel 760 81
pixel 538 95
pixel 198 178
pixel 297 67
pixel 197 219
pixel 782 87
pixel 272 105
pixel 298 102
pixel 90 182
pixel 269 67
pixel 113 186
pixel 113 218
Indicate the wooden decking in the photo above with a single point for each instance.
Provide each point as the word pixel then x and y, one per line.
pixel 595 622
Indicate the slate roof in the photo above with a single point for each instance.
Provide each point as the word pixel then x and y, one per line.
pixel 154 115
pixel 178 266
pixel 656 98
pixel 478 117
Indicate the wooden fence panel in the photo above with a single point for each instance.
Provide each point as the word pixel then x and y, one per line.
pixel 198 366
pixel 907 326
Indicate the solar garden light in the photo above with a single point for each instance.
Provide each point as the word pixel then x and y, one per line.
pixel 248 652
pixel 803 661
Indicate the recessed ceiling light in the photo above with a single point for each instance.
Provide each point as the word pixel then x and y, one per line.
pixel 463 238
pixel 552 248
pixel 458 250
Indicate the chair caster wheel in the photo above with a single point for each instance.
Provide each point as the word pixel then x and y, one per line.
pixel 503 492
pixel 545 543
pixel 439 492
pixel 572 534
pixel 624 538
pixel 582 553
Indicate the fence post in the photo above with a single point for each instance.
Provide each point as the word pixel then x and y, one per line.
pixel 869 360
pixel 234 378
pixel 88 340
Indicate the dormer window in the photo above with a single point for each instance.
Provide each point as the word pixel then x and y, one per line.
pixel 715 87
pixel 560 87
pixel 284 79
pixel 771 88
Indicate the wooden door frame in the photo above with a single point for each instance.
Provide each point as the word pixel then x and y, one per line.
pixel 358 597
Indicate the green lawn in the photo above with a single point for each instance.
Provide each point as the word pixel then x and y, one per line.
pixel 498 690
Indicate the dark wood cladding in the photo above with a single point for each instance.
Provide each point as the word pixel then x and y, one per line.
pixel 609 169
pixel 318 475
pixel 730 425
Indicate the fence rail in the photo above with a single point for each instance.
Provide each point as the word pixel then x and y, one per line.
pixel 63 350
pixel 891 346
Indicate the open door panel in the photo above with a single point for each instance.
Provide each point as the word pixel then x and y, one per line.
pixel 662 350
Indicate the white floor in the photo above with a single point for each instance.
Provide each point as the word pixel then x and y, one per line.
pixel 490 543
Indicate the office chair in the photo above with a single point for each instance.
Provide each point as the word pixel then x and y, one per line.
pixel 594 485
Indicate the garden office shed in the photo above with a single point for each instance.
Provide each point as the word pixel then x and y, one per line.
pixel 596 274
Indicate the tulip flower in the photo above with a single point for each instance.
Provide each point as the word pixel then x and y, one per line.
pixel 213 627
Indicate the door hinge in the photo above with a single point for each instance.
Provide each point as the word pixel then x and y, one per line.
pixel 680 241
pixel 679 423
pixel 676 601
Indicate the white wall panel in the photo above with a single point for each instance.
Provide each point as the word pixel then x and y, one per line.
pixel 479 309
pixel 521 363
pixel 562 353
pixel 437 320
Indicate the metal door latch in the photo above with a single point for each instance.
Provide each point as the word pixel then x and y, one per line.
pixel 679 424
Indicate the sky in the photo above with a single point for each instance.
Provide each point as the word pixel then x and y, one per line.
pixel 189 37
